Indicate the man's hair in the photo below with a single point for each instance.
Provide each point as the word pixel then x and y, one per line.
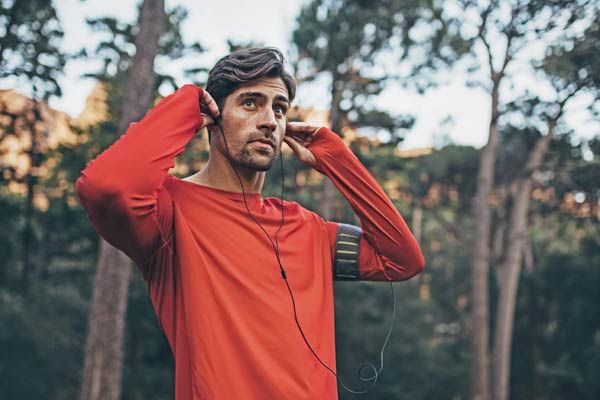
pixel 245 66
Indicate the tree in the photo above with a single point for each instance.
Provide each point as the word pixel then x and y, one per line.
pixel 497 35
pixel 500 33
pixel 570 71
pixel 104 356
pixel 341 40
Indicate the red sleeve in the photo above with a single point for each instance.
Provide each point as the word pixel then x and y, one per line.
pixel 122 189
pixel 388 250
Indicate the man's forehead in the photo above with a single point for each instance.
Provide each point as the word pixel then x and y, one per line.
pixel 269 87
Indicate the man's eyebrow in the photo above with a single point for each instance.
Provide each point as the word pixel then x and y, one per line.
pixel 282 98
pixel 261 95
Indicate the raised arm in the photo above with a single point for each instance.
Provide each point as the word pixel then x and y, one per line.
pixel 388 250
pixel 122 189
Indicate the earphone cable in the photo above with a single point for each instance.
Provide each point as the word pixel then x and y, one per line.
pixel 275 245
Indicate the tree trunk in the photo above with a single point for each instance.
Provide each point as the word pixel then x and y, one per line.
pixel 104 347
pixel 508 280
pixel 480 379
pixel 335 119
pixel 27 234
pixel 528 259
pixel 417 221
pixel 35 160
pixel 510 268
pixel 499 235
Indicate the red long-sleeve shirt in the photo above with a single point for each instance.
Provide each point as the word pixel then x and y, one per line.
pixel 212 273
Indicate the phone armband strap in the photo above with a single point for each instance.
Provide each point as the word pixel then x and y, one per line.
pixel 347 253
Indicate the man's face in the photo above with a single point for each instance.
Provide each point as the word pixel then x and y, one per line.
pixel 253 121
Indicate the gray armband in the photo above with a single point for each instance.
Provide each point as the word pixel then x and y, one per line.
pixel 347 252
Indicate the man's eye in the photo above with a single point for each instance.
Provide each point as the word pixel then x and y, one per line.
pixel 249 102
pixel 279 110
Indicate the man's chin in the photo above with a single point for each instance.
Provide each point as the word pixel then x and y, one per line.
pixel 257 165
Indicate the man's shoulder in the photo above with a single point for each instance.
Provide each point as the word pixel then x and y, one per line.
pixel 294 208
pixel 288 205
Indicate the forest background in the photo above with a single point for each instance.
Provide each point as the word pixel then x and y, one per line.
pixel 507 306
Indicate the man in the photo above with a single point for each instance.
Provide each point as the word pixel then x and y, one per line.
pixel 217 256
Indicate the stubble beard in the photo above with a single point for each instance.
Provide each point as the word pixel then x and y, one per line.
pixel 254 160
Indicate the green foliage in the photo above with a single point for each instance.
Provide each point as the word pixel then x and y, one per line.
pixel 42 339
pixel 149 363
pixel 117 48
pixel 30 37
pixel 557 325
pixel 423 336
pixel 343 39
pixel 10 207
pixel 572 65
pixel 335 34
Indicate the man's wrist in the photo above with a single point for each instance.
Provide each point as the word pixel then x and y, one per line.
pixel 327 146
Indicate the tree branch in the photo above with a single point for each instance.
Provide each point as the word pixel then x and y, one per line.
pixel 485 15
pixel 510 35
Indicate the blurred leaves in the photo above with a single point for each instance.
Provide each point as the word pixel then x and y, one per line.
pixel 30 37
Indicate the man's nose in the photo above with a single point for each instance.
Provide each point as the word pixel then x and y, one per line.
pixel 267 120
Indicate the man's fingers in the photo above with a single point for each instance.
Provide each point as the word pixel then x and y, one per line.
pixel 207 120
pixel 294 145
pixel 303 154
pixel 210 103
pixel 301 131
pixel 301 128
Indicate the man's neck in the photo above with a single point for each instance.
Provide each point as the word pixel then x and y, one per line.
pixel 221 175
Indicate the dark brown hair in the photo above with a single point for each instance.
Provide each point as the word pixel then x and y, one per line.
pixel 245 66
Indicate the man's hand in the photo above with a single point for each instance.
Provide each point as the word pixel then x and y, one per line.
pixel 298 136
pixel 208 108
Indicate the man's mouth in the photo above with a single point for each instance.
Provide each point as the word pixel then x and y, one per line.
pixel 264 143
